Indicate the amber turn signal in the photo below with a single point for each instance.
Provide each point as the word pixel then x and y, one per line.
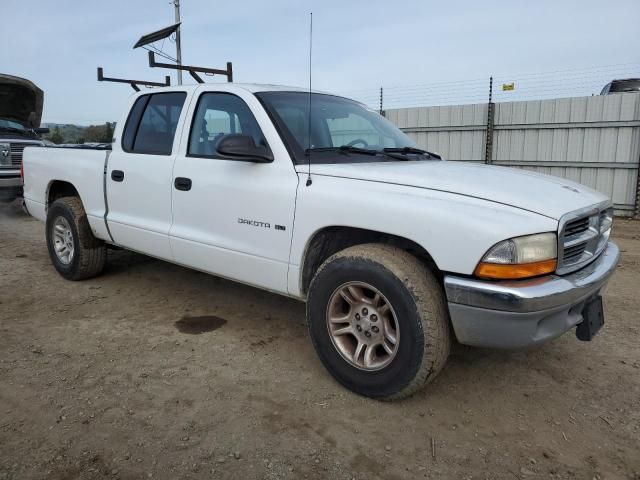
pixel 496 271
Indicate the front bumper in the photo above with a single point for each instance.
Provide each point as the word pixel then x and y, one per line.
pixel 516 314
pixel 10 186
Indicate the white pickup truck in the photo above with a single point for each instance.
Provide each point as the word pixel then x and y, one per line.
pixel 396 252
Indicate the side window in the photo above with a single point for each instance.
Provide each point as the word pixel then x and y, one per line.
pixel 131 127
pixel 217 115
pixel 154 129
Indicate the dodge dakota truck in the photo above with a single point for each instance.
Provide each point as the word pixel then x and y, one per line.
pixel 396 251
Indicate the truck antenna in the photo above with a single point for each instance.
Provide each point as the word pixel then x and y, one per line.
pixel 309 181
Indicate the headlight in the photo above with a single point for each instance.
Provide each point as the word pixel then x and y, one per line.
pixel 520 257
pixel 5 154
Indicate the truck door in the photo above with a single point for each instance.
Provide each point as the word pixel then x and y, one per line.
pixel 139 174
pixel 233 218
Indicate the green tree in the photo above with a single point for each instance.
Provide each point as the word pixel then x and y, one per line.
pixel 99 133
pixel 108 134
pixel 56 137
pixel 93 133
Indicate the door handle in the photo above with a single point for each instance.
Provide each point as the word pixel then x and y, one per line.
pixel 182 183
pixel 117 175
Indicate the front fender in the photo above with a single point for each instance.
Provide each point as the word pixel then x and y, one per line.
pixel 456 230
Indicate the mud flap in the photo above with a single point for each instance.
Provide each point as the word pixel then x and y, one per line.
pixel 593 319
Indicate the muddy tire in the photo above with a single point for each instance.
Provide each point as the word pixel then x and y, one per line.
pixel 386 299
pixel 75 253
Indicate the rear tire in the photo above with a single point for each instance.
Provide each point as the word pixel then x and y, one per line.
pixel 373 280
pixel 75 253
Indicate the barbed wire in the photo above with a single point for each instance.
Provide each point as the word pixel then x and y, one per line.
pixel 560 83
pixel 589 70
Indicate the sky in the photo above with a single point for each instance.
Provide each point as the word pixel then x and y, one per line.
pixel 420 51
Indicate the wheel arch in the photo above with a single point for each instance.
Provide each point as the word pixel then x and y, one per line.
pixel 60 188
pixel 332 239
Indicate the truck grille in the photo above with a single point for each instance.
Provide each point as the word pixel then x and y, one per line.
pixel 582 237
pixel 16 153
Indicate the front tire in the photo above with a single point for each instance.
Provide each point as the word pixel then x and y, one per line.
pixel 75 253
pixel 378 321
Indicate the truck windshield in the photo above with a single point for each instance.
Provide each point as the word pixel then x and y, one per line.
pixel 342 130
pixel 4 123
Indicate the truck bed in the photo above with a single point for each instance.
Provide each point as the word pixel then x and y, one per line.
pixel 81 167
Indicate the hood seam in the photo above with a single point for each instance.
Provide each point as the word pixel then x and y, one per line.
pixel 437 190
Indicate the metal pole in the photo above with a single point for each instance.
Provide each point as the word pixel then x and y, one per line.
pixel 176 4
pixel 490 88
pixel 381 110
pixel 636 210
pixel 488 145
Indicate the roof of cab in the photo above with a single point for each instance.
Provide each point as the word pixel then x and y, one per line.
pixel 250 87
pixel 264 87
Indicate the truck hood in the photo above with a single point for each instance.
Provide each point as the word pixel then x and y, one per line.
pixel 20 101
pixel 543 194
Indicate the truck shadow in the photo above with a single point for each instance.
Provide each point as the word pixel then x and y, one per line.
pixel 121 261
pixel 13 209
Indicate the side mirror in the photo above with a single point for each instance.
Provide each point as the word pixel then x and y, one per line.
pixel 41 131
pixel 242 147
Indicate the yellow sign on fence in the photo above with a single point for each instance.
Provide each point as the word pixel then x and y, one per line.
pixel 508 86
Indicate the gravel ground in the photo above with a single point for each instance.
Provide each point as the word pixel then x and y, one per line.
pixel 156 371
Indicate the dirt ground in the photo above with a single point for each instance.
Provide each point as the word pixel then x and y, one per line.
pixel 114 378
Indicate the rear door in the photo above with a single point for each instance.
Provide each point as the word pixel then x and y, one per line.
pixel 139 174
pixel 236 217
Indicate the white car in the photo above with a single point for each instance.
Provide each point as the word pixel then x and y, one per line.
pixel 396 252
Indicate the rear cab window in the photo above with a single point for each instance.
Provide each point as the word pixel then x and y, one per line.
pixel 151 126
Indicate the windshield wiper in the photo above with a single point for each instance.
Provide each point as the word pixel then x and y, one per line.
pixel 344 148
pixel 411 150
pixel 347 149
pixel 395 153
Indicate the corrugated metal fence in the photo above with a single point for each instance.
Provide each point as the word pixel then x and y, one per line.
pixel 591 140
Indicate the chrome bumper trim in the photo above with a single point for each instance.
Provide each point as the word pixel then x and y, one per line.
pixel 536 294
